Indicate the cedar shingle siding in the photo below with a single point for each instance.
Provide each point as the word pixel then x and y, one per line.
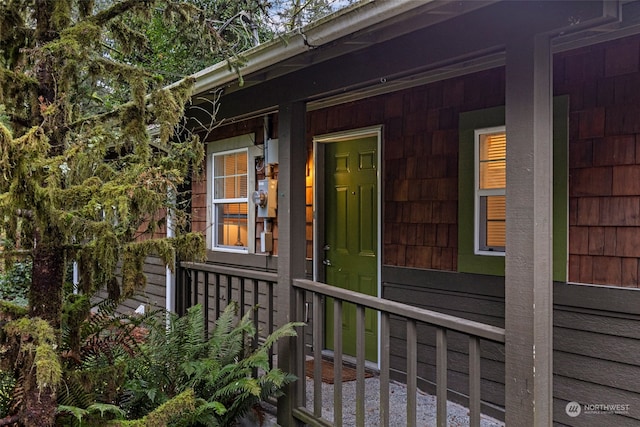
pixel 420 166
pixel 603 84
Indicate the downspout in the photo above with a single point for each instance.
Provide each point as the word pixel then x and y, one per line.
pixel 170 282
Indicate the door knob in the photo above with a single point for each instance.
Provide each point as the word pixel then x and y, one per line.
pixel 327 262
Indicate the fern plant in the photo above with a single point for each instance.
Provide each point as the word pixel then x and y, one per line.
pixel 220 370
pixel 96 346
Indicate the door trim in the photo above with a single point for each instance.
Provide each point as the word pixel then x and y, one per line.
pixel 318 169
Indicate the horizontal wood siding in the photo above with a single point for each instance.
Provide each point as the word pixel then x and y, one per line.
pixel 474 297
pixel 596 341
pixel 153 297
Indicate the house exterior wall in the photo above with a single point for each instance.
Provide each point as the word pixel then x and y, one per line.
pixel 420 166
pixel 603 82
pixel 420 162
pixel 596 328
pixel 199 182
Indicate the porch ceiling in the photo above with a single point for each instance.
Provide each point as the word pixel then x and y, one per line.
pixel 434 41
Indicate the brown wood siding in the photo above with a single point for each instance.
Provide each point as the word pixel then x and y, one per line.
pixel 603 84
pixel 199 182
pixel 199 207
pixel 596 341
pixel 420 161
pixel 421 169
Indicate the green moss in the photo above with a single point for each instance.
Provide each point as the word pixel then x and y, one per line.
pixel 12 311
pixel 38 339
pixel 172 409
pixel 48 368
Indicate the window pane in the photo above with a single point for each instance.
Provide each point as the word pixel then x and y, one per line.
pixel 493 216
pixel 496 232
pixel 231 225
pixel 492 155
pixel 230 175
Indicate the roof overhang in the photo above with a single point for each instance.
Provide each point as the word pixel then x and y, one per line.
pixel 355 32
pixel 360 25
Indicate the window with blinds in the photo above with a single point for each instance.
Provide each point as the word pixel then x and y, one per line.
pixel 491 179
pixel 230 200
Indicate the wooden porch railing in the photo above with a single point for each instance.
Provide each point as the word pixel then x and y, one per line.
pixel 214 286
pixel 413 316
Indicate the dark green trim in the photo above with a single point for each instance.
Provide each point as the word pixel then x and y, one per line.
pixel 468 261
pixel 560 188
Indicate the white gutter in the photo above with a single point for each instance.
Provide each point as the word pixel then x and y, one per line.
pixel 327 30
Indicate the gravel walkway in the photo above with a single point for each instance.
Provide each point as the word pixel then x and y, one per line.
pixel 457 415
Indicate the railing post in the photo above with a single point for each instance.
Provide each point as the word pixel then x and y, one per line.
pixel 441 377
pixel 291 240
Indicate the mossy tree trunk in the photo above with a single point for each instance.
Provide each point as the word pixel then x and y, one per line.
pixel 45 293
pixel 45 300
pixel 78 168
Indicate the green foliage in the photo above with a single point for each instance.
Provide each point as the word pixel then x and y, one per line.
pixel 79 170
pixel 173 49
pixel 96 346
pixel 11 310
pixel 7 384
pixel 14 283
pixel 37 344
pixel 220 370
pixel 87 417
pixel 128 371
pixel 169 413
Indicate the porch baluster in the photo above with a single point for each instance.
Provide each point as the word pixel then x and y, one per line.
pixel 242 299
pixel 217 287
pixel 301 386
pixel 441 377
pixel 187 291
pixel 318 322
pixel 196 277
pixel 360 361
pixel 205 291
pixel 474 381
pixel 337 362
pixel 412 372
pixel 270 310
pixel 256 318
pixel 229 280
pixel 384 368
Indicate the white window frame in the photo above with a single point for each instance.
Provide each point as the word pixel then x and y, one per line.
pixel 228 146
pixel 479 193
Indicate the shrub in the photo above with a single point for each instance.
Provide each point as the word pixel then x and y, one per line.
pixel 15 282
pixel 176 376
pixel 222 370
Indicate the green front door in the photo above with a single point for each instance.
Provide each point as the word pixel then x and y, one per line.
pixel 351 234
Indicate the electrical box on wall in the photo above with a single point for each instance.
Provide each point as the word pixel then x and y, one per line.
pixel 272 151
pixel 266 241
pixel 266 198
